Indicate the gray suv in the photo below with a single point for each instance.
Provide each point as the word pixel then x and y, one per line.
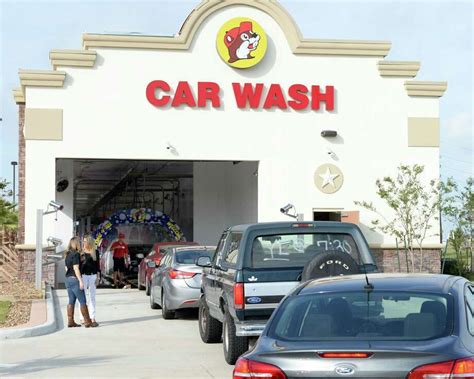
pixel 256 265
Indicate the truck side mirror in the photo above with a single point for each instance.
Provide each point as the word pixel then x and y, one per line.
pixel 203 262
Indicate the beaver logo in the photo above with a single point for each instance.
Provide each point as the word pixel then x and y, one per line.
pixel 241 43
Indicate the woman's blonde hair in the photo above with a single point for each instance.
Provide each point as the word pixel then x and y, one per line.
pixel 74 245
pixel 90 246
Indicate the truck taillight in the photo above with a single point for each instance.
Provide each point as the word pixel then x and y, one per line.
pixel 461 368
pixel 176 274
pixel 239 296
pixel 245 368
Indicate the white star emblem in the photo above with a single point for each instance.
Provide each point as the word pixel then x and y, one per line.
pixel 328 178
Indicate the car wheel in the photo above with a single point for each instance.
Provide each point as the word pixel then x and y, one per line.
pixel 139 286
pixel 234 346
pixel 210 329
pixel 167 314
pixel 153 305
pixel 147 287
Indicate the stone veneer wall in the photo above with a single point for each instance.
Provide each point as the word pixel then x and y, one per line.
pixel 26 264
pixel 21 174
pixel 388 260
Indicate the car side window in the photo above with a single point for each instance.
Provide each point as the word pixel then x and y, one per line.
pixel 470 308
pixel 232 250
pixel 219 250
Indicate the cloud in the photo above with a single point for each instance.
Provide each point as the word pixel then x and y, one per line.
pixel 460 125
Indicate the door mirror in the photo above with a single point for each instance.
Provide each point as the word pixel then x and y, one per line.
pixel 151 264
pixel 140 256
pixel 203 262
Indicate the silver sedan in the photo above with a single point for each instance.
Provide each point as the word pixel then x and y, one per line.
pixel 176 282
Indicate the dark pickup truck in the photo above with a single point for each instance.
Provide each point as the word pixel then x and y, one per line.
pixel 256 265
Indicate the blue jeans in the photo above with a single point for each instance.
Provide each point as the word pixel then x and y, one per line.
pixel 74 291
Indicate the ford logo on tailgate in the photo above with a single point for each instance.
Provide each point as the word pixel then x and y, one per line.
pixel 254 300
pixel 344 370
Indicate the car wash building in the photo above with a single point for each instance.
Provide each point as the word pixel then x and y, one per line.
pixel 234 117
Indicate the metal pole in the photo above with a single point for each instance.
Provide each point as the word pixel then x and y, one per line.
pixel 14 163
pixel 39 248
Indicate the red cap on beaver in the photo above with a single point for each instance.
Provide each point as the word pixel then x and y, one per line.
pixel 232 34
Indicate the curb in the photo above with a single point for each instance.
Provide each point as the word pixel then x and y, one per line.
pixel 48 327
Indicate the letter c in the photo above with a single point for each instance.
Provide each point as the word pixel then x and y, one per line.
pixel 151 90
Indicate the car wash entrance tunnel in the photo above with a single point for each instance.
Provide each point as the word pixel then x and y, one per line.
pixel 201 197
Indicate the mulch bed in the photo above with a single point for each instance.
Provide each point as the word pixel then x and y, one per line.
pixel 21 293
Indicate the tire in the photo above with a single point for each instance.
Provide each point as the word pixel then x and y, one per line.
pixel 330 263
pixel 147 287
pixel 234 346
pixel 153 305
pixel 167 314
pixel 210 329
pixel 139 286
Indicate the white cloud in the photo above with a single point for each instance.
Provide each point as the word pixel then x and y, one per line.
pixel 460 125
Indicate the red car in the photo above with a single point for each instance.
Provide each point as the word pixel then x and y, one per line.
pixel 159 249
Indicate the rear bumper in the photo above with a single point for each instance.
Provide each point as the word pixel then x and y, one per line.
pixel 249 328
pixel 180 295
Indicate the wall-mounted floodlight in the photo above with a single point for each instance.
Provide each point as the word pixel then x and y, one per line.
pixel 329 133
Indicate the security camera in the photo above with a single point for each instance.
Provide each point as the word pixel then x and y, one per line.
pixel 56 206
pixel 286 208
pixel 55 241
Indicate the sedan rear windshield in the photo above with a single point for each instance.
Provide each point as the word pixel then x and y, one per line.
pixel 363 315
pixel 189 257
pixel 283 250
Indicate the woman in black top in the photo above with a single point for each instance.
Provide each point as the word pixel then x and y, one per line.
pixel 90 270
pixel 75 284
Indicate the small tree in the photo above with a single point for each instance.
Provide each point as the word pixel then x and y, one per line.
pixel 461 213
pixel 8 214
pixel 415 207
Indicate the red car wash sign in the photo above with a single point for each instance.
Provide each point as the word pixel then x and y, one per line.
pixel 246 95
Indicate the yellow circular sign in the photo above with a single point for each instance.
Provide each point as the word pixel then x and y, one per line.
pixel 241 42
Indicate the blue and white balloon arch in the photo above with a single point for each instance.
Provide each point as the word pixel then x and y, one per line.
pixel 138 216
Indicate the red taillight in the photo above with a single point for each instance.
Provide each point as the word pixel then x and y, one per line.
pixel 245 368
pixel 345 355
pixel 176 274
pixel 461 368
pixel 464 368
pixel 239 296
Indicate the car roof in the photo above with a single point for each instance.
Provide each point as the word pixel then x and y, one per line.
pixel 340 226
pixel 435 283
pixel 193 248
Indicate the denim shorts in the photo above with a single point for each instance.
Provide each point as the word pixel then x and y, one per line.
pixel 74 291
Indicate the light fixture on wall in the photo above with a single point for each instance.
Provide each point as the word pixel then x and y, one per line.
pixel 329 133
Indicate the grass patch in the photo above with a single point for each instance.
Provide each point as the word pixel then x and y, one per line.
pixel 470 276
pixel 4 308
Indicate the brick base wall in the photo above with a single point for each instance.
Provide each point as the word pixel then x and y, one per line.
pixel 26 264
pixel 389 261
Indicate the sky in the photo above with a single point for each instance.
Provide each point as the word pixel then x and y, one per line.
pixel 436 32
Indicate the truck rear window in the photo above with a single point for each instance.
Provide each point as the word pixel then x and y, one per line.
pixel 355 315
pixel 295 250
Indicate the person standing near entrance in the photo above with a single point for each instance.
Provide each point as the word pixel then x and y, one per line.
pixel 120 253
pixel 75 284
pixel 90 274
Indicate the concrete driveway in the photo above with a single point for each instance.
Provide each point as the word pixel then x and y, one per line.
pixel 132 341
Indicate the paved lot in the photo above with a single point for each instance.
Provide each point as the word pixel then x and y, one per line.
pixel 132 341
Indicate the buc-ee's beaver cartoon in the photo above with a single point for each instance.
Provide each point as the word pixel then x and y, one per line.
pixel 241 41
